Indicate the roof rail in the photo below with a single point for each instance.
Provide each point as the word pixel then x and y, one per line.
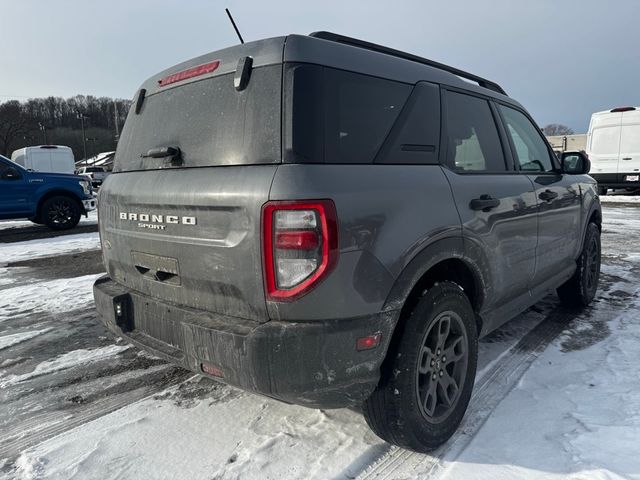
pixel 334 37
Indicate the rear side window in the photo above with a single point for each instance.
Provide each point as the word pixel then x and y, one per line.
pixel 335 116
pixel 472 135
pixel 532 154
pixel 209 121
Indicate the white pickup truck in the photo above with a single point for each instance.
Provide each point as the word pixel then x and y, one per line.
pixel 96 175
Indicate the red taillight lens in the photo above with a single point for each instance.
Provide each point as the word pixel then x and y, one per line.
pixel 300 246
pixel 297 240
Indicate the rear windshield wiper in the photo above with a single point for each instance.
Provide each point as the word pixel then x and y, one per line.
pixel 174 153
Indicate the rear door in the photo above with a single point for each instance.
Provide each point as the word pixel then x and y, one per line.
pixel 558 196
pixel 40 160
pixel 604 145
pixel 497 206
pixel 629 165
pixel 185 228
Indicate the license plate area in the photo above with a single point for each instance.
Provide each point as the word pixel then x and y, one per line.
pixel 157 268
pixel 632 178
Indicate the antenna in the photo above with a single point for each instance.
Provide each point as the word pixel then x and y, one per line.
pixel 234 25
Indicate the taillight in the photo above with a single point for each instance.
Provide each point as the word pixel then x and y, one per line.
pixel 300 246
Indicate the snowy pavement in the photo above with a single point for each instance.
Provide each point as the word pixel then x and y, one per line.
pixel 557 394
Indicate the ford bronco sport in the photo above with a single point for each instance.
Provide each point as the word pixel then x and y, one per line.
pixel 330 222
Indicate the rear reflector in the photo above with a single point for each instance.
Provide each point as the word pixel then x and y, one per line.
pixel 189 73
pixel 368 342
pixel 212 370
pixel 623 109
pixel 300 246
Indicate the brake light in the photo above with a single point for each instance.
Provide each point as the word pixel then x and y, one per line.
pixel 189 73
pixel 623 109
pixel 300 246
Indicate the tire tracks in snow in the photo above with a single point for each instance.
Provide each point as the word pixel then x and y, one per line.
pixel 489 390
pixel 41 427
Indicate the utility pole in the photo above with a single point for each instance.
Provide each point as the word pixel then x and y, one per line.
pixel 82 116
pixel 43 129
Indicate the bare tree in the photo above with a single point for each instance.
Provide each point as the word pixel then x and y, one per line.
pixel 557 129
pixel 14 124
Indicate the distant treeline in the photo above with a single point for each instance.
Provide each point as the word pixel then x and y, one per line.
pixel 54 120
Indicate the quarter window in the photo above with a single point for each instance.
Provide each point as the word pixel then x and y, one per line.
pixel 473 141
pixel 531 152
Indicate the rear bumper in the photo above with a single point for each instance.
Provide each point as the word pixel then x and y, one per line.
pixel 617 180
pixel 313 364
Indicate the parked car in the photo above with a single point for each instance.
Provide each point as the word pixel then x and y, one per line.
pixel 53 199
pixel 96 175
pixel 337 224
pixel 613 146
pixel 45 158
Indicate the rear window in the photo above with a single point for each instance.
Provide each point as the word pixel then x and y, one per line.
pixel 333 116
pixel 209 121
pixel 94 169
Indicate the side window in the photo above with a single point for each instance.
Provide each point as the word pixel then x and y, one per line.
pixel 532 154
pixel 334 116
pixel 360 111
pixel 473 141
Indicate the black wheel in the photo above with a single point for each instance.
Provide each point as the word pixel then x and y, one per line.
pixel 60 213
pixel 428 376
pixel 602 190
pixel 580 289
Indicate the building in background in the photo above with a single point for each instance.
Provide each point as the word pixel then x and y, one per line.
pixel 568 143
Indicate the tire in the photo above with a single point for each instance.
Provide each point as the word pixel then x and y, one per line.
pixel 405 409
pixel 60 213
pixel 581 288
pixel 602 191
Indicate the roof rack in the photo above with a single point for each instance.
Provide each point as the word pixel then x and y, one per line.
pixel 334 37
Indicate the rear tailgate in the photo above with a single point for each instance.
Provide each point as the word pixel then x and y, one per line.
pixel 187 229
pixel 188 236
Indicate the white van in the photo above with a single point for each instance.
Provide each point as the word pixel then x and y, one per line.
pixel 45 158
pixel 613 146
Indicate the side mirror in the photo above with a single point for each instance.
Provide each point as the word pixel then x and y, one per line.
pixel 11 173
pixel 575 163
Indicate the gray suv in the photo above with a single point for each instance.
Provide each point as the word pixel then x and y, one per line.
pixel 332 223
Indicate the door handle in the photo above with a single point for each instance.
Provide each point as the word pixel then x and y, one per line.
pixel 484 203
pixel 627 158
pixel 547 195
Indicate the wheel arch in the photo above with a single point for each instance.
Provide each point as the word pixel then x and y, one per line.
pixel 444 260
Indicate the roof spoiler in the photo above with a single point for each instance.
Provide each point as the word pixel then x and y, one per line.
pixel 334 37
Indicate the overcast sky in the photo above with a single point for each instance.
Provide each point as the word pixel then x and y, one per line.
pixel 563 59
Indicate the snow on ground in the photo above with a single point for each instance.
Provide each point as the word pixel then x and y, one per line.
pixel 54 296
pixel 244 436
pixel 47 247
pixel 579 417
pixel 7 341
pixel 90 219
pixel 67 360
pixel 619 199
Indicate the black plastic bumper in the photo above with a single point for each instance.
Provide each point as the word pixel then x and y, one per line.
pixel 617 180
pixel 315 364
